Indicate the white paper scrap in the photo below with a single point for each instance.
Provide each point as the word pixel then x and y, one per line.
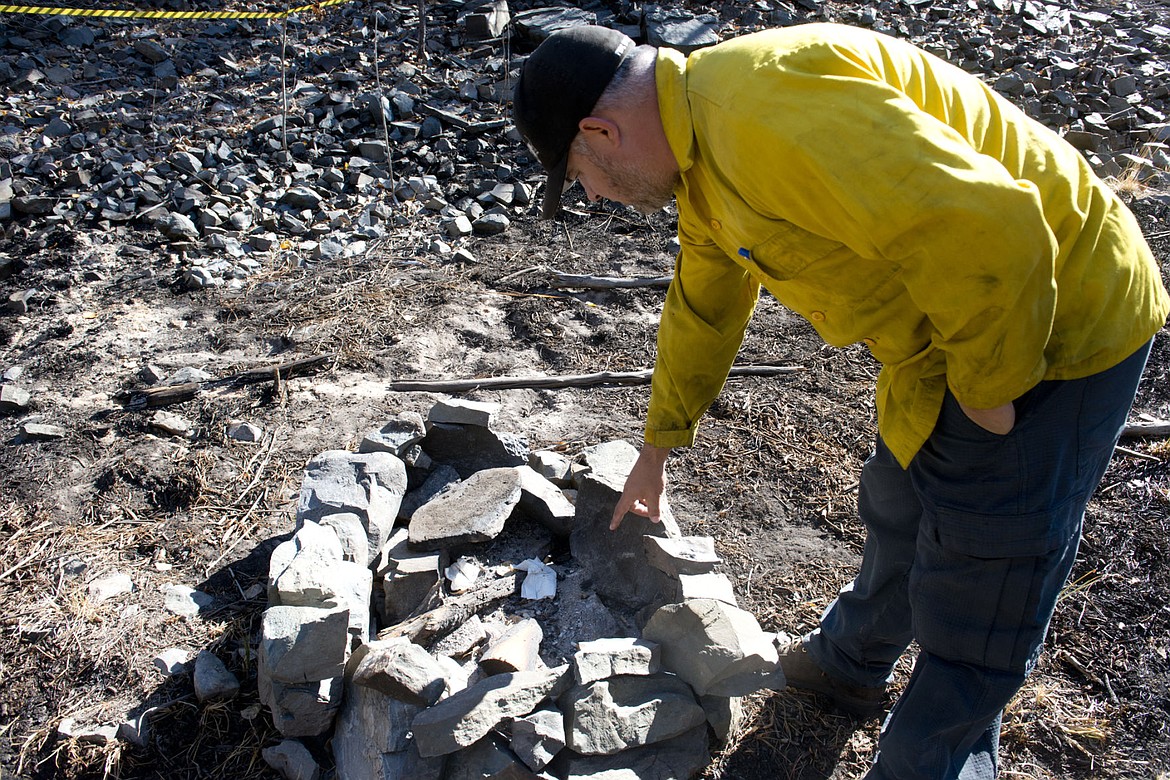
pixel 462 574
pixel 541 582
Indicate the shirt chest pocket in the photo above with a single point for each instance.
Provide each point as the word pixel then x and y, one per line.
pixel 793 255
pixel 842 293
pixel 787 251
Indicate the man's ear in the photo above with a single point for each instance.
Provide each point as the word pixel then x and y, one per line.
pixel 599 129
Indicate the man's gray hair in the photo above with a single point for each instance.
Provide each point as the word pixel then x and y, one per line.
pixel 628 83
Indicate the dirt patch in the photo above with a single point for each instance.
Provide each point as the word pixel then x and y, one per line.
pixel 773 479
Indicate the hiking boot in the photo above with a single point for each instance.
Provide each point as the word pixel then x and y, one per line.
pixel 802 673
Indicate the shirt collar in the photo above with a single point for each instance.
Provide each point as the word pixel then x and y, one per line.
pixel 670 75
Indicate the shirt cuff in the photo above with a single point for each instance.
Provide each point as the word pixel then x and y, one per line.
pixel 683 438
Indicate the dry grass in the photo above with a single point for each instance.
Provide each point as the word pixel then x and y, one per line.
pixel 1135 179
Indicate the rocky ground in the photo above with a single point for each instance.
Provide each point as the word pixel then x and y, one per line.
pixel 189 204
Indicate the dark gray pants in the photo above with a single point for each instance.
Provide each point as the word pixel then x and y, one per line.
pixel 966 553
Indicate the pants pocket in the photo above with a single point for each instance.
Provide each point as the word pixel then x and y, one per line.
pixel 983 587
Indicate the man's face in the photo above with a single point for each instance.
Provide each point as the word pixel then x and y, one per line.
pixel 631 182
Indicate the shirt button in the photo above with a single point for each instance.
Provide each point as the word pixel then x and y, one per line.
pixel 716 224
pixel 818 316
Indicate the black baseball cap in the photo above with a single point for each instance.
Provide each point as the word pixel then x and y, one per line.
pixel 558 86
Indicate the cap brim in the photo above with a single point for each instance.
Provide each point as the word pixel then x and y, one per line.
pixel 554 187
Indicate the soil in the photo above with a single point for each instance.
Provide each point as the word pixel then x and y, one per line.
pixel 773 478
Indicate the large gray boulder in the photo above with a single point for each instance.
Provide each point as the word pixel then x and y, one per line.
pixel 402 670
pixel 304 644
pixel 317 547
pixel 315 575
pixel 680 758
pixel 609 716
pixel 472 448
pixel 302 655
pixel 622 574
pixel 720 650
pixel 372 738
pixel 370 485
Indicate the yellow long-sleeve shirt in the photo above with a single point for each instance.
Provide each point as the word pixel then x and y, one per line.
pixel 890 198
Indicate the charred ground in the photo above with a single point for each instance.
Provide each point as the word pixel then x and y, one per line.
pixel 773 479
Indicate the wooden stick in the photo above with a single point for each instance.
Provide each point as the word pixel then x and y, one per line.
pixel 562 280
pixel 443 619
pixel 283 370
pixel 1136 454
pixel 175 394
pixel 164 396
pixel 1155 428
pixel 570 380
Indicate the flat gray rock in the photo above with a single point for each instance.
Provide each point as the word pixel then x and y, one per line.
pixel 711 585
pixel 544 502
pixel 32 431
pixel 612 656
pixel 440 479
pixel 683 33
pixel 538 737
pixel 684 555
pixel 462 720
pixel 474 510
pixel 396 435
pixel 608 716
pixel 539 23
pixel 407 576
pixel 459 411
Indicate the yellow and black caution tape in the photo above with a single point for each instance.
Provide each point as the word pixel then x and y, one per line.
pixel 117 13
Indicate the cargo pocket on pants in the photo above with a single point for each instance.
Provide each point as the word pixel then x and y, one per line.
pixel 983 587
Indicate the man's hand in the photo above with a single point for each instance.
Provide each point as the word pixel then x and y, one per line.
pixel 999 420
pixel 645 487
